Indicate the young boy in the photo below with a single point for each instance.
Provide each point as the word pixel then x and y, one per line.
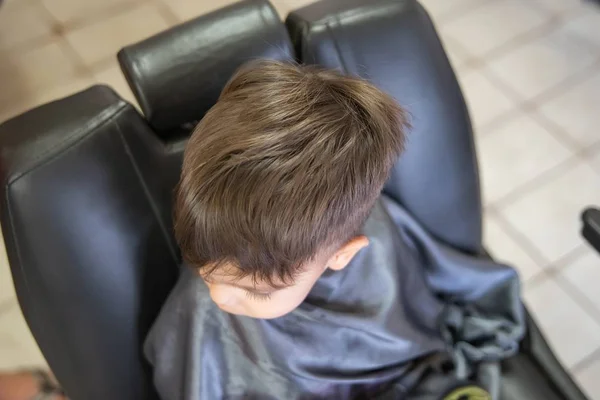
pixel 302 282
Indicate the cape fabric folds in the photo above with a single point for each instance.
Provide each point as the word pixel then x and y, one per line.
pixel 406 319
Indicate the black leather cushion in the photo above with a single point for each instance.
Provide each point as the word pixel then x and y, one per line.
pixel 536 373
pixel 177 75
pixel 86 223
pixel 394 44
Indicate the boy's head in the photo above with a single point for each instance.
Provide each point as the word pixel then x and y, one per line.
pixel 277 180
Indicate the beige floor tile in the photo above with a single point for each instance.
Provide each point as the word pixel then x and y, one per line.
pixel 188 9
pixel 114 78
pixel 40 96
pixel 571 332
pixel 7 290
pixel 589 379
pixel 283 9
pixel 584 274
pixel 439 9
pixel 26 73
pixel 594 160
pixel 539 65
pixel 102 40
pixel 17 346
pixel 21 22
pixel 548 215
pixel 575 110
pixel 294 4
pixel 506 249
pixel 67 11
pixel 457 55
pixel 586 24
pixel 74 85
pixel 515 152
pixel 486 102
pixel 557 6
pixel 491 25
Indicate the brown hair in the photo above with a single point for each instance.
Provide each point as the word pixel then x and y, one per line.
pixel 287 163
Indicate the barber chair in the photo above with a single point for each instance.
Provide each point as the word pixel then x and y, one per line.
pixel 88 181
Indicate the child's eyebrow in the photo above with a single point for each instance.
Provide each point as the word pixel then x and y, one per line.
pixel 250 288
pixel 254 289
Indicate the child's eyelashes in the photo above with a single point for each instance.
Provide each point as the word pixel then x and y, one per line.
pixel 258 296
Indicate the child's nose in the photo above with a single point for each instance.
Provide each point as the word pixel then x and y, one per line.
pixel 221 295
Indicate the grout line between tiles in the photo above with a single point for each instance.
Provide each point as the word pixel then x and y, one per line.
pixel 522 39
pixel 82 70
pixel 588 156
pixel 538 181
pixel 517 41
pixel 30 45
pixel 456 12
pixel 59 33
pixel 530 250
pixel 586 361
pixel 553 272
pixel 531 106
pixel 39 41
pixel 102 65
pixel 557 133
pixel 591 150
pixel 497 122
pixel 6 305
pixel 502 86
pixel 534 102
pixel 100 15
pixel 579 151
pixel 583 302
pixel 552 269
pixel 578 297
pixel 88 70
pixel 572 80
pixel 536 280
pixel 555 20
pixel 567 259
pixel 521 240
pixel 33 43
pixel 165 11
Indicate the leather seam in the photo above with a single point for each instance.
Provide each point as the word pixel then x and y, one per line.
pixel 336 44
pixel 105 116
pixel 263 17
pixel 134 77
pixel 304 48
pixel 149 198
pixel 14 238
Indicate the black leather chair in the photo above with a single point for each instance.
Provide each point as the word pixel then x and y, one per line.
pixel 86 211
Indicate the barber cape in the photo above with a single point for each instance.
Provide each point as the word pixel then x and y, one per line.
pixel 408 318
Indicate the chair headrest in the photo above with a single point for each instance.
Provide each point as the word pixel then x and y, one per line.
pixel 178 74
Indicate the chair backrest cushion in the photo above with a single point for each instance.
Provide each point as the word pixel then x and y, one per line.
pixel 87 210
pixel 178 74
pixel 394 44
pixel 90 250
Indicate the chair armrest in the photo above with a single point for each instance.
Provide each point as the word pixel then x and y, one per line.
pixel 537 362
pixel 591 226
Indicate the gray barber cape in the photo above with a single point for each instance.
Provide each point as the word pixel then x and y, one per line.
pixel 406 319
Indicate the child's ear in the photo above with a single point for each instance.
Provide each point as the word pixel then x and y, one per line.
pixel 342 257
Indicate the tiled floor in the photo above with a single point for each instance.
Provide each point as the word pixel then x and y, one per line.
pixel 530 70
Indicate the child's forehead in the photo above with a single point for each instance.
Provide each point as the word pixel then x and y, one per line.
pixel 229 274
